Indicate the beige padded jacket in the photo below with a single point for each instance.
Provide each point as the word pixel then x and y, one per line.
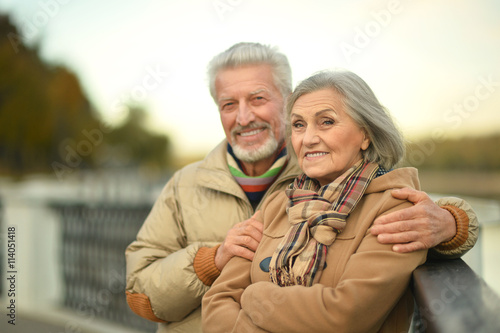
pixel 195 209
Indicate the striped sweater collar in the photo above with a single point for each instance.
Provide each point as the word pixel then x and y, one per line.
pixel 255 187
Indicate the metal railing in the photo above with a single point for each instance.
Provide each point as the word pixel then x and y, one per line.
pixel 94 239
pixel 451 298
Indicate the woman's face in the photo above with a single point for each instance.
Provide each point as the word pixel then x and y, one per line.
pixel 325 138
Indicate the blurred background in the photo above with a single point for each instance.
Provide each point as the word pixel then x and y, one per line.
pixel 100 102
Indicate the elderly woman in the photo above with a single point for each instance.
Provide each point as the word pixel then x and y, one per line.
pixel 318 268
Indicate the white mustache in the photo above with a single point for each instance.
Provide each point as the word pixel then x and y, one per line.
pixel 239 128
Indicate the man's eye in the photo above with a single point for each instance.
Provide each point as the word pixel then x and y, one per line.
pixel 227 106
pixel 257 100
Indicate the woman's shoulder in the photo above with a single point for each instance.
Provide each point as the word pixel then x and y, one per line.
pixel 378 199
pixel 396 178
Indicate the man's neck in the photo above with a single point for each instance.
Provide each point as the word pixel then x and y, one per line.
pixel 260 167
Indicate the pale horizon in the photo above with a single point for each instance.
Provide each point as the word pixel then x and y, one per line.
pixel 433 65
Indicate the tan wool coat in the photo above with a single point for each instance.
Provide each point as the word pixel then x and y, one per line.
pixel 364 287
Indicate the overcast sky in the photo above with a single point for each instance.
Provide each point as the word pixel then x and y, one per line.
pixel 434 64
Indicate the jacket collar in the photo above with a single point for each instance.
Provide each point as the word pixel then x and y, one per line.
pixel 213 173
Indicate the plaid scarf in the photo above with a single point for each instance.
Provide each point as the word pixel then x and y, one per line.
pixel 316 214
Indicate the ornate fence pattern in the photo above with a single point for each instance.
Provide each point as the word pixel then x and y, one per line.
pixel 94 239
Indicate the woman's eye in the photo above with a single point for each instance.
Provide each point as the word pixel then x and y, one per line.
pixel 328 122
pixel 297 125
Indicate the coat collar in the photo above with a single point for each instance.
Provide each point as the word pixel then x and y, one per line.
pixel 213 173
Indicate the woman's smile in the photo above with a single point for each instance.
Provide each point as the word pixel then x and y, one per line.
pixel 325 138
pixel 314 155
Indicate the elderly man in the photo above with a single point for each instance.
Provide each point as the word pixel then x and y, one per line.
pixel 203 216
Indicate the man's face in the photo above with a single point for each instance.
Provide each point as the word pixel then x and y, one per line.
pixel 251 111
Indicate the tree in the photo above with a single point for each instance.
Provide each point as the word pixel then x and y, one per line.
pixel 47 123
pixel 132 144
pixel 40 106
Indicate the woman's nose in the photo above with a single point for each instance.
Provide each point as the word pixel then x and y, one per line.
pixel 311 136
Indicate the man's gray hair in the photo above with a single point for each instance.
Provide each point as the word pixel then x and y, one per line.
pixel 244 54
pixel 387 146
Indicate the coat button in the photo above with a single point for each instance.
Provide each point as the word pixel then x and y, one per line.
pixel 264 264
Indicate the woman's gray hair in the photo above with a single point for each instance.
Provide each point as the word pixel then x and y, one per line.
pixel 243 54
pixel 387 146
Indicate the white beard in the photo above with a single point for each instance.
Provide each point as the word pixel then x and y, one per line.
pixel 267 149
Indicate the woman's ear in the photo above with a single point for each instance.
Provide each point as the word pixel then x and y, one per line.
pixel 366 140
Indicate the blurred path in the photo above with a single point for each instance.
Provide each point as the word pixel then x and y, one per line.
pixel 61 322
pixel 31 325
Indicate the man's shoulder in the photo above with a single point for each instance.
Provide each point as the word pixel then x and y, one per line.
pixel 189 168
pixel 214 161
pixel 189 172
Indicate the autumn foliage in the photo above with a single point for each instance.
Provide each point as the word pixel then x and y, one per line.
pixel 48 125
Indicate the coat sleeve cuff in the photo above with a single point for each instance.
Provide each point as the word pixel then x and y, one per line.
pixel 462 223
pixel 459 206
pixel 204 265
pixel 140 304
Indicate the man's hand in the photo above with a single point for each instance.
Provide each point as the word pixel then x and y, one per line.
pixel 422 226
pixel 241 240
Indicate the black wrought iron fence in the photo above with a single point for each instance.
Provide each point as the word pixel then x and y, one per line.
pixel 94 238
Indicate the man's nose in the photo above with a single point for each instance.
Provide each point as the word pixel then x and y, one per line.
pixel 245 114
